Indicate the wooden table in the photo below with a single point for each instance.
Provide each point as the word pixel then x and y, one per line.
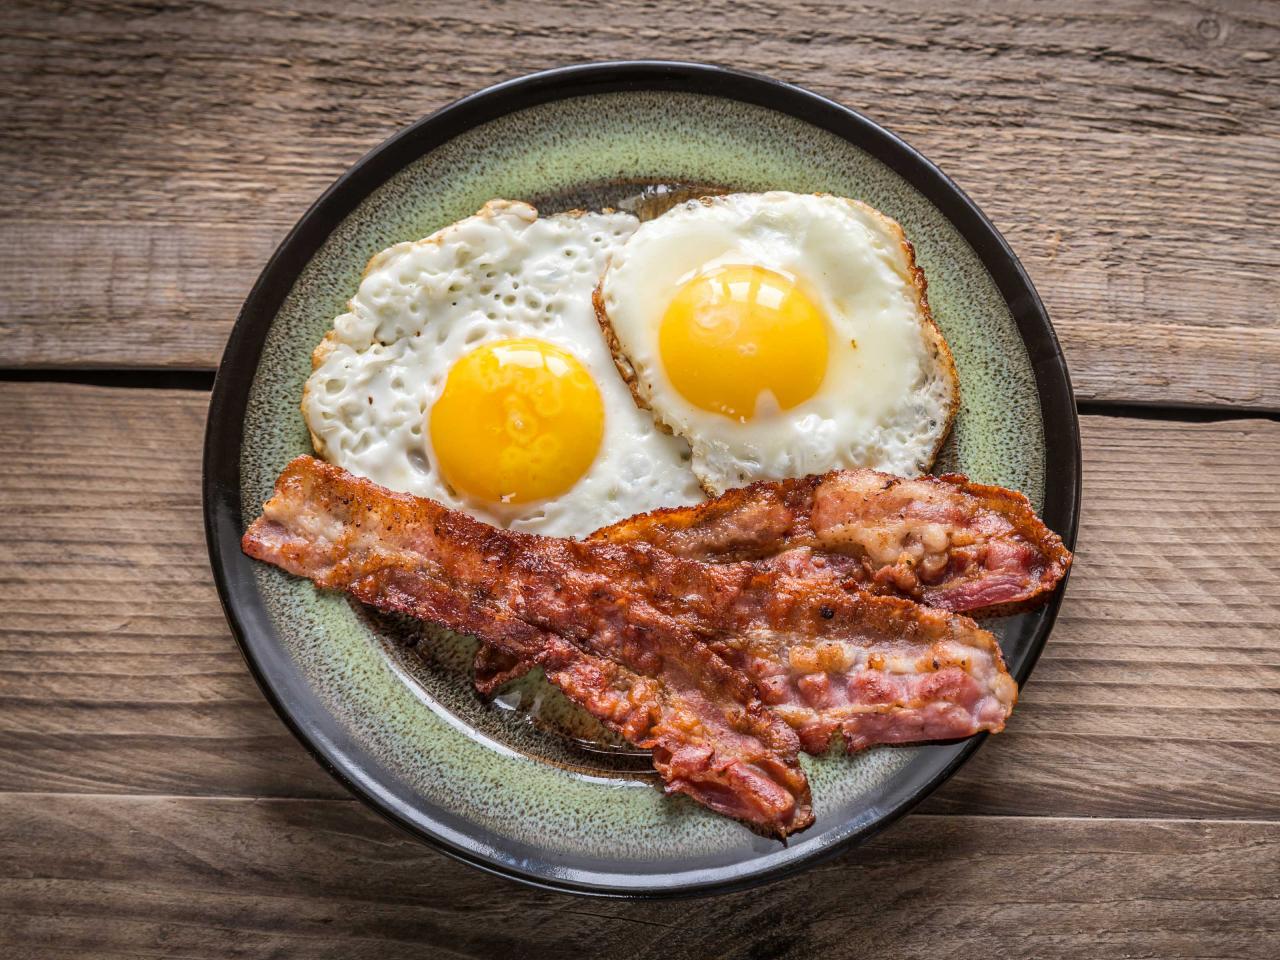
pixel 153 154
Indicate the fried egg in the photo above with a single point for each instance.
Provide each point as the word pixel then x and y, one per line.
pixel 470 369
pixel 781 334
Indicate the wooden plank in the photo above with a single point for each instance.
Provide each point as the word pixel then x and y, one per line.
pixel 119 295
pixel 1140 143
pixel 1168 634
pixel 116 665
pixel 140 877
pixel 1158 694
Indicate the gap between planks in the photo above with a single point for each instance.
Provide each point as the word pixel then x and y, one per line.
pixel 201 381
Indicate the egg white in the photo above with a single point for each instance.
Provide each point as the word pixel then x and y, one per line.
pixel 500 274
pixel 890 389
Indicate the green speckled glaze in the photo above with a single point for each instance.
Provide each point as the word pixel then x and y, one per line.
pixel 418 715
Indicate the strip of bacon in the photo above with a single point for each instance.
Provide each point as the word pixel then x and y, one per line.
pixel 906 675
pixel 943 541
pixel 873 669
pixel 536 600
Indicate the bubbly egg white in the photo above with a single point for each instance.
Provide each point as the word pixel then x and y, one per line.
pixel 504 273
pixel 889 387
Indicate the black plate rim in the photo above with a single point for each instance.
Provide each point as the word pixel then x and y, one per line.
pixel 224 429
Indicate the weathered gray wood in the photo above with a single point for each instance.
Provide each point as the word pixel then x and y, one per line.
pixel 166 877
pixel 155 153
pixel 1158 695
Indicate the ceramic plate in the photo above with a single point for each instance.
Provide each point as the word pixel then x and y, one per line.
pixel 528 786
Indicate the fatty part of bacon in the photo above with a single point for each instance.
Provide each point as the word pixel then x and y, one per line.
pixel 943 541
pixel 537 600
pixel 829 661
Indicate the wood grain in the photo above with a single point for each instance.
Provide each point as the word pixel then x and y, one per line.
pixel 1158 696
pixel 155 153
pixel 117 671
pixel 128 877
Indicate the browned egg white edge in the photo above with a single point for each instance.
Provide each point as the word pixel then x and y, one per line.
pixel 934 339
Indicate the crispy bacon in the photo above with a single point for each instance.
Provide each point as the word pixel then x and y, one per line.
pixel 943 541
pixel 639 671
pixel 873 669
pixel 662 648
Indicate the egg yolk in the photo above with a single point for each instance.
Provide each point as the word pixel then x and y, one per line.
pixel 743 341
pixel 518 420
